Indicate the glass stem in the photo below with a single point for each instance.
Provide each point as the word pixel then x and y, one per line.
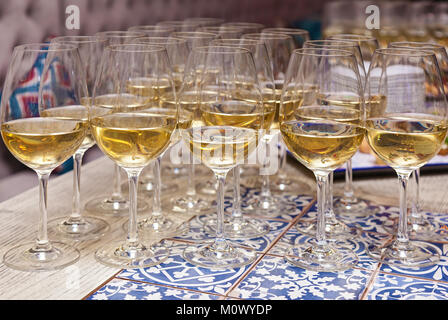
pixel 42 242
pixel 132 238
pixel 116 192
pixel 282 153
pixel 220 241
pixel 415 209
pixel 236 207
pixel 76 199
pixel 402 233
pixel 191 190
pixel 329 197
pixel 322 183
pixel 348 187
pixel 157 204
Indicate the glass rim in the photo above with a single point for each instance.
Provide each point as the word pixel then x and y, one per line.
pixel 410 52
pixel 244 24
pixel 45 47
pixel 241 41
pixel 329 43
pixel 119 34
pixel 145 48
pixel 151 27
pixel 286 31
pixel 332 52
pixel 193 35
pixel 351 36
pixel 267 36
pixel 167 39
pixel 232 50
pixel 219 28
pixel 177 23
pixel 415 45
pixel 78 39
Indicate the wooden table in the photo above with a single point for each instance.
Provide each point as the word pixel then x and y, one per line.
pixel 86 277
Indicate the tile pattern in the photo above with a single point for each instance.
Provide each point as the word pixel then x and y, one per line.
pixel 271 277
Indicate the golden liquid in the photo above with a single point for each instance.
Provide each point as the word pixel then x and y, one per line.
pixel 122 102
pixel 132 140
pixel 405 143
pixel 236 114
pixel 80 113
pixel 221 147
pixel 148 87
pixel 323 145
pixel 43 143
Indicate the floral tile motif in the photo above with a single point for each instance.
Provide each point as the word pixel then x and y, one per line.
pixel 293 205
pixel 373 223
pixel 357 244
pixel 393 287
pixel 275 279
pixel 436 272
pixel 198 233
pixel 177 272
pixel 119 289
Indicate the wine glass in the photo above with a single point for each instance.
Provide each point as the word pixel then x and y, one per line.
pixel 161 91
pixel 221 130
pixel 42 143
pixel 180 25
pixel 153 31
pixel 248 27
pixel 298 35
pixel 237 226
pixel 322 136
pixel 132 131
pixel 419 226
pixel 406 135
pixel 178 51
pixel 349 203
pixel 78 227
pixel 195 38
pixel 280 47
pixel 335 228
pixel 114 204
pixel 224 32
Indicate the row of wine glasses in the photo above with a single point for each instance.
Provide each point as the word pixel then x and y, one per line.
pixel 158 86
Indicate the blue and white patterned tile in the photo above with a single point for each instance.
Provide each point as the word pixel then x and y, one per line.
pixel 197 233
pixel 436 272
pixel 177 272
pixel 293 205
pixel 119 289
pixel 372 223
pixel 275 279
pixel 358 245
pixel 393 287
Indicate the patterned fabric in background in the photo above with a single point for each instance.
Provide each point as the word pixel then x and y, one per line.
pixel 24 100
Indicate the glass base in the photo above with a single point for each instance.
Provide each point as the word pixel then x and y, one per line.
pixel 419 229
pixel 238 228
pixel 113 207
pixel 27 257
pixel 122 255
pixel 321 258
pixel 158 226
pixel 405 255
pixel 355 208
pixel 335 230
pixel 285 185
pixel 272 206
pixel 80 229
pixel 196 205
pixel 227 256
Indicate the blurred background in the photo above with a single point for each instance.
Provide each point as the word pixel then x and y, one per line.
pixel 27 21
